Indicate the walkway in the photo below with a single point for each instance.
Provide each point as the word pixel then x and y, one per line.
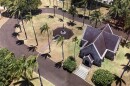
pixel 82 71
pixel 58 77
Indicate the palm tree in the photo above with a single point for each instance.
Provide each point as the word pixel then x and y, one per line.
pixel 75 40
pixel 29 18
pixel 115 11
pixel 61 40
pixel 17 12
pixel 27 66
pixel 73 11
pixel 96 17
pixel 45 28
pixel 63 8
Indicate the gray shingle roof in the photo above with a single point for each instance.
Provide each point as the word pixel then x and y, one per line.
pixel 102 38
pixel 90 34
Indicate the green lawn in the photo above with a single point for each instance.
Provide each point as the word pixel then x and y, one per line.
pixel 115 66
pixel 53 23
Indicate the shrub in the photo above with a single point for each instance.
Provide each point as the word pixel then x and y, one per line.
pixel 70 64
pixel 128 44
pixel 102 77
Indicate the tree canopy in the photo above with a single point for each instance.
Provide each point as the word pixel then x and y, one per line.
pixel 20 6
pixel 102 77
pixel 12 68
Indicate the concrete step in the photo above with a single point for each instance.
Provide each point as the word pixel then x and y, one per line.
pixel 82 71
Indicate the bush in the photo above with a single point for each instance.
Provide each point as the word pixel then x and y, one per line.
pixel 128 44
pixel 70 64
pixel 102 77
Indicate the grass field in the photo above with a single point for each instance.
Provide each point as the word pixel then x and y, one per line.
pixel 41 19
pixel 115 66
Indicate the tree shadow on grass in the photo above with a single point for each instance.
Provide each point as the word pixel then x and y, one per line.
pixel 119 81
pixel 123 43
pixel 127 66
pixel 25 82
pixel 70 23
pixel 32 48
pixel 79 28
pixel 36 12
pixel 46 6
pixel 20 42
pixel 46 55
pixel 59 64
pixel 50 16
pixel 60 19
pixel 80 15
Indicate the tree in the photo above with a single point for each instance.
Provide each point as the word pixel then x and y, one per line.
pixel 96 17
pixel 61 40
pixel 29 18
pixel 114 11
pixel 14 69
pixel 75 40
pixel 19 8
pixel 73 11
pixel 45 28
pixel 27 66
pixel 7 67
pixel 102 77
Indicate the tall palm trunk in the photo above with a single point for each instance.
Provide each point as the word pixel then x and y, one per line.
pixel 62 50
pixel 19 24
pixel 63 9
pixel 74 48
pixel 96 23
pixel 40 77
pixel 34 33
pixel 24 28
pixel 48 41
pixel 73 18
pixel 67 4
pixel 90 7
pixel 84 13
pixel 54 10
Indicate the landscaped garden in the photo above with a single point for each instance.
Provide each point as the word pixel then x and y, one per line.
pixel 41 33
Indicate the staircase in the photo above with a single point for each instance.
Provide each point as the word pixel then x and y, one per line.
pixel 82 71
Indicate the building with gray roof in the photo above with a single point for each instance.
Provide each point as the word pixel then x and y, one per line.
pixel 97 44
